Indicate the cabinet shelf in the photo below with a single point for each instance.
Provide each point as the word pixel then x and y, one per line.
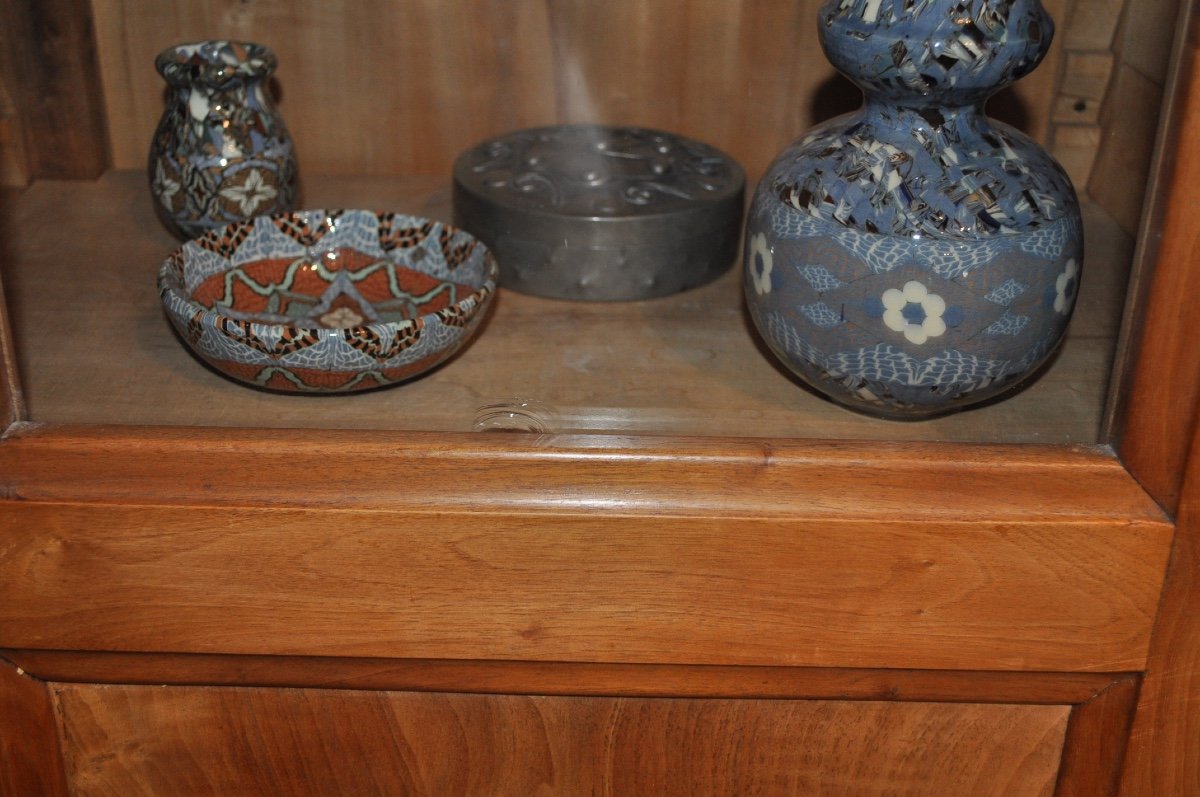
pixel 94 348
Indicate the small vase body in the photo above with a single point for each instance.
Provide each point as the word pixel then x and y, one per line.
pixel 221 152
pixel 915 257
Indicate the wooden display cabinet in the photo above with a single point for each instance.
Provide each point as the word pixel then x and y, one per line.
pixel 699 579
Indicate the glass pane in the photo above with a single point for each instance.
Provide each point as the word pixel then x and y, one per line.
pixel 94 346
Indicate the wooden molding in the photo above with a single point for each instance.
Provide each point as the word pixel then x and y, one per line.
pixel 565 678
pixel 1096 739
pixel 1163 755
pixel 30 754
pixel 573 474
pixel 12 405
pixel 1156 383
pixel 557 548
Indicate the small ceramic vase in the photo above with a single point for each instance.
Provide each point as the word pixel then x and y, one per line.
pixel 915 257
pixel 221 152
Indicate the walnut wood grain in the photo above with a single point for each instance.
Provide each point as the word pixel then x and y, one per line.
pixel 49 47
pixel 12 402
pixel 1163 756
pixel 1161 439
pixel 567 678
pixel 583 584
pixel 555 547
pixel 403 88
pixel 14 171
pixel 1096 738
pixel 222 741
pixel 30 758
pixel 581 474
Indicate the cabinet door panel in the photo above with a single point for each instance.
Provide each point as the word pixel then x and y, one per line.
pixel 132 740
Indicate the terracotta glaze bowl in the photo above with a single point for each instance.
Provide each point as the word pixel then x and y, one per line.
pixel 328 301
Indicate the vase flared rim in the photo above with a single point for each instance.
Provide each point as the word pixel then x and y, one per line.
pixel 215 62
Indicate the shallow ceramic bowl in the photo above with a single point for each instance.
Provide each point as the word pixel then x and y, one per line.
pixel 328 301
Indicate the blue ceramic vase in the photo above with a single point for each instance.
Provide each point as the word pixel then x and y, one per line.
pixel 914 257
pixel 221 152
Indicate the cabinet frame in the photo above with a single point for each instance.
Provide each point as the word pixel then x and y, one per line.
pixel 63 484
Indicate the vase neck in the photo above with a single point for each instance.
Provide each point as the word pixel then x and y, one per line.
pixel 912 119
pixel 215 65
pixel 231 93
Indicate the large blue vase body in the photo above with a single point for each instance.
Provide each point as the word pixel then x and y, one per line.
pixel 915 257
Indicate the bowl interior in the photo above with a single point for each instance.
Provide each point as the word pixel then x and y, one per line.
pixel 334 289
pixel 331 270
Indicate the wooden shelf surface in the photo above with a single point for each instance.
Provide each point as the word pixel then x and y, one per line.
pixel 79 266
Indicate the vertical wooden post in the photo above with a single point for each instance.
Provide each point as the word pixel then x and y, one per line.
pixel 12 404
pixel 48 49
pixel 1163 756
pixel 1095 745
pixel 1158 377
pixel 13 167
pixel 30 754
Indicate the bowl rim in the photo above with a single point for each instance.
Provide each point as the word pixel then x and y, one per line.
pixel 176 299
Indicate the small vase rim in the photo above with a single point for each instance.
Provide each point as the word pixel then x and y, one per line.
pixel 215 62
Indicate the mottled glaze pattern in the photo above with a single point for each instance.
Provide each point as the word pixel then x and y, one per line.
pixel 926 53
pixel 221 152
pixel 915 257
pixel 328 301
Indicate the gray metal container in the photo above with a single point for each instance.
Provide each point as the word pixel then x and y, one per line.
pixel 601 213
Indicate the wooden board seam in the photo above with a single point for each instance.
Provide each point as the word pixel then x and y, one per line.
pixel 567 678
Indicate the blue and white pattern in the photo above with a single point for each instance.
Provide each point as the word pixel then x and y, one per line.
pixel 821 314
pixel 820 278
pixel 1006 293
pixel 1008 324
pixel 947 246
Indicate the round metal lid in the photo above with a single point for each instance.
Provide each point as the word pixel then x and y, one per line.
pixel 601 213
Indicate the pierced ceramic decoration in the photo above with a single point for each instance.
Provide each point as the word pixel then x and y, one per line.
pixel 601 213
pixel 915 257
pixel 327 301
pixel 221 152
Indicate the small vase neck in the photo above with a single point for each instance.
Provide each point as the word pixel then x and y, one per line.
pixel 216 65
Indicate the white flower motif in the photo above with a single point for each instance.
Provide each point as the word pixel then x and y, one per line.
pixel 341 318
pixel 914 311
pixel 761 263
pixel 1066 287
pixel 250 194
pixel 164 186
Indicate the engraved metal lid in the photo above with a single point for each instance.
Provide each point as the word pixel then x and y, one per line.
pixel 601 213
